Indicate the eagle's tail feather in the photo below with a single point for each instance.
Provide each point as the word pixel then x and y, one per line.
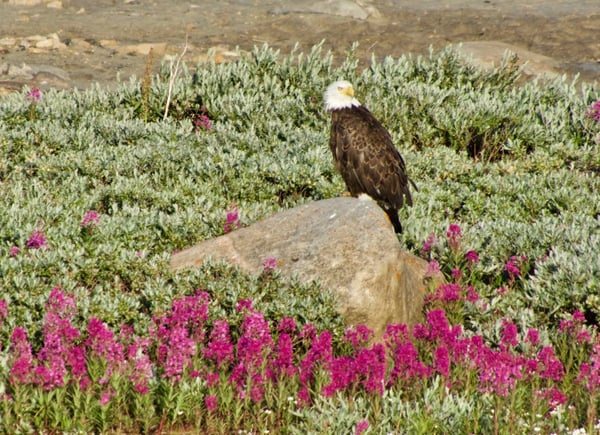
pixel 393 215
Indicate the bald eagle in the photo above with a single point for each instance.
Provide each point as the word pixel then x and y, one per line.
pixel 364 153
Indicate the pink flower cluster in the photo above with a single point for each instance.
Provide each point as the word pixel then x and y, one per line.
pixel 184 344
pixel 202 122
pixel 593 111
pixel 90 220
pixel 37 240
pixel 232 219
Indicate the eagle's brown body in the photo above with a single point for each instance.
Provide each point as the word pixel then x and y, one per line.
pixel 368 161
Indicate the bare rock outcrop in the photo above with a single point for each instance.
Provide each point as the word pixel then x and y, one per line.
pixel 346 244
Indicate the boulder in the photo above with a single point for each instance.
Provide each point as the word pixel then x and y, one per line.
pixel 346 244
pixel 489 54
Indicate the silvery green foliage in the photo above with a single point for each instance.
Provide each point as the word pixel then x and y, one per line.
pixel 515 164
pixel 436 411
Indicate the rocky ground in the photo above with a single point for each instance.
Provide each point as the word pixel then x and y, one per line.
pixel 74 43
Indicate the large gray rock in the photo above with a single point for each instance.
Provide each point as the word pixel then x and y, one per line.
pixel 346 244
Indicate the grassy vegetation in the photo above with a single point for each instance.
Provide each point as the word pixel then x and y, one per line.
pixel 97 191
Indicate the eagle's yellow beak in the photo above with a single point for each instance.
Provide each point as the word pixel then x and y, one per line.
pixel 349 91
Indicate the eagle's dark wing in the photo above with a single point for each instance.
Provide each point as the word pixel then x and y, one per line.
pixel 367 159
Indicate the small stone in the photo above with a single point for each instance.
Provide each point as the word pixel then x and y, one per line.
pixel 25 2
pixel 108 43
pixel 144 49
pixel 20 72
pixel 8 42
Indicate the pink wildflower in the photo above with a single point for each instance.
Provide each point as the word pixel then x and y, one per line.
pixel 454 235
pixel 106 396
pixel 432 269
pixel 448 292
pixel 284 364
pixel 244 304
pixel 441 360
pixel 59 351
pixel 22 364
pixel 533 337
pixel 361 427
pixel 269 265
pixel 472 257
pixel 211 403
pixel 13 251
pixel 202 122
pixel 140 371
pixel 472 295
pixel 509 333
pixel 34 94
pixel 232 219
pixel 179 331
pixel 287 324
pixel 37 240
pixel 575 327
pixel 456 274
pixel 589 372
pixel 358 336
pixel 593 111
pixel 212 379
pixel 102 344
pixel 320 353
pixel 219 347
pixel 90 219
pixel 371 368
pixel 512 267
pixel 552 367
pixel 429 243
pixel 554 396
pixel 254 348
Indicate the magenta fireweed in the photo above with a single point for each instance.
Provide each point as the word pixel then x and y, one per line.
pixel 211 403
pixel 253 350
pixel 361 427
pixel 552 368
pixel 21 357
pixel 358 336
pixel 139 364
pixel 472 257
pixel 37 240
pixel 183 346
pixel 429 243
pixel 179 332
pixel 284 362
pixel 60 350
pixel 593 111
pixel 101 344
pixel 454 235
pixel 319 356
pixel 509 333
pixel 90 220
pixel 432 269
pixel 34 95
pixel 589 372
pixel 232 219
pixel 269 265
pixel 202 123
pixel 219 347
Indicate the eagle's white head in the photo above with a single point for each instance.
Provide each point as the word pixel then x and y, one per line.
pixel 340 95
